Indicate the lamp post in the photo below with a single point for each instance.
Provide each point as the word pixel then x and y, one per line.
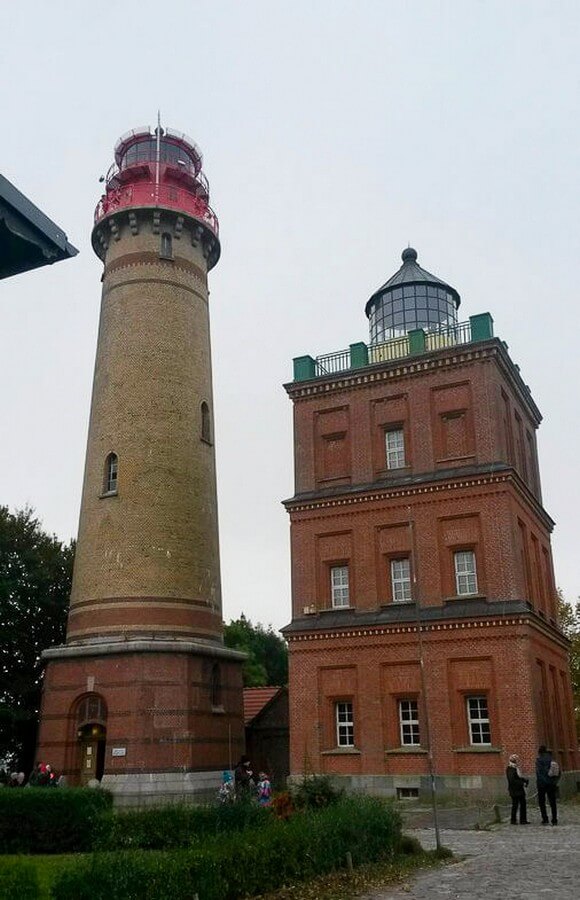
pixel 415 597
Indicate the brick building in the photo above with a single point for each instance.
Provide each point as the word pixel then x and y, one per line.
pixel 267 738
pixel 144 695
pixel 418 533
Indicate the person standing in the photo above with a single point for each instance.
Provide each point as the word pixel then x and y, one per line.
pixel 517 785
pixel 547 784
pixel 243 777
pixel 264 790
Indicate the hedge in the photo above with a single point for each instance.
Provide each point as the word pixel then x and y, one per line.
pixel 52 820
pixel 176 827
pixel 248 863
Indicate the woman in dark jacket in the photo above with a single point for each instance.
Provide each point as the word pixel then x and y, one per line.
pixel 517 785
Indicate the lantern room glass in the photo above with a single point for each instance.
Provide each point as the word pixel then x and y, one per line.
pixel 403 309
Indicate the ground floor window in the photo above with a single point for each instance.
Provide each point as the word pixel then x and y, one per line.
pixel 478 720
pixel 409 723
pixel 344 724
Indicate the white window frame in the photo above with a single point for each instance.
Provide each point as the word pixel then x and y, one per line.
pixel 478 720
pixel 401 588
pixel 344 714
pixel 339 587
pixel 465 565
pixel 112 473
pixel 395 448
pixel 409 723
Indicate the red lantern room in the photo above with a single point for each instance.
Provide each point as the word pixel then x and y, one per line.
pixel 159 168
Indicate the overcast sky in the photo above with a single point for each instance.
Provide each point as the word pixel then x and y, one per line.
pixel 334 134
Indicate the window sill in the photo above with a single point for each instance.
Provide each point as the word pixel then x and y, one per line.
pixel 107 494
pixel 331 609
pixel 341 751
pixel 482 748
pixel 218 710
pixel 455 597
pixel 388 603
pixel 445 460
pixel 385 473
pixel 405 751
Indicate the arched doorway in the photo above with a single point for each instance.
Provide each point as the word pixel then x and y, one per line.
pixel 91 731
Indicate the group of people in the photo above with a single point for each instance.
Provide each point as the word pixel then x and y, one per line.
pixel 244 785
pixel 41 776
pixel 548 774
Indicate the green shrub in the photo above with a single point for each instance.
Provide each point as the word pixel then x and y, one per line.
pixel 173 827
pixel 409 846
pixel 246 863
pixel 51 820
pixel 18 880
pixel 315 792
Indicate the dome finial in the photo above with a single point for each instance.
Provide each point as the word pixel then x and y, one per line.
pixel 409 255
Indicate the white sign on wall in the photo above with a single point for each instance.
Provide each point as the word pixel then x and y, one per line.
pixel 119 751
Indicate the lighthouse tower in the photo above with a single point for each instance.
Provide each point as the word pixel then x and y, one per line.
pixel 144 696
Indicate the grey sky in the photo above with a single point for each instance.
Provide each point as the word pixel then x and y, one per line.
pixel 333 133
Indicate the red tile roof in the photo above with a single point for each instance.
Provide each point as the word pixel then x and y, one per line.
pixel 255 699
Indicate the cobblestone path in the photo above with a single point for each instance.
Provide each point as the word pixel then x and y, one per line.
pixel 510 862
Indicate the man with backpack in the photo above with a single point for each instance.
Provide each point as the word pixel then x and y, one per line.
pixel 547 778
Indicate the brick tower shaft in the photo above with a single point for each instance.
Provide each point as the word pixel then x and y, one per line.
pixel 144 696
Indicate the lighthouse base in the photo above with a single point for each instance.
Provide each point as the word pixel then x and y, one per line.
pixel 153 721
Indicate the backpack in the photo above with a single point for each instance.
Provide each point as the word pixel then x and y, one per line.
pixel 554 770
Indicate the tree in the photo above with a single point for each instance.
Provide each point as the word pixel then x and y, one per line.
pixel 569 618
pixel 35 581
pixel 267 662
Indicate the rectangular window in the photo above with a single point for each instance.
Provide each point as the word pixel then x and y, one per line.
pixel 401 580
pixel 478 719
pixel 409 723
pixel 395 448
pixel 339 591
pixel 344 724
pixel 465 572
pixel 407 793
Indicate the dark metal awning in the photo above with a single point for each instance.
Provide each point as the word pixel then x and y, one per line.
pixel 28 238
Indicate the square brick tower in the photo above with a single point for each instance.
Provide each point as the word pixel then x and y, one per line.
pixel 424 607
pixel 144 696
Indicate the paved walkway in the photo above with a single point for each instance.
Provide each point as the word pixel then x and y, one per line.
pixel 510 862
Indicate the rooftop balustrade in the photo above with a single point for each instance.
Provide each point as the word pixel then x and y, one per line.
pixel 414 343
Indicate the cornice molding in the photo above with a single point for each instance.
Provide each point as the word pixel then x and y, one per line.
pixel 464 354
pixel 369 631
pixel 373 493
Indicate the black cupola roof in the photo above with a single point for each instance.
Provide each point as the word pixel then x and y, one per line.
pixel 409 274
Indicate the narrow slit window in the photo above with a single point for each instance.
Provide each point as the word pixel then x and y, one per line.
pixel 111 474
pixel 166 251
pixel 216 686
pixel 205 423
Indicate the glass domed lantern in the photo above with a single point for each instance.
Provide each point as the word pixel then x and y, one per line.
pixel 412 298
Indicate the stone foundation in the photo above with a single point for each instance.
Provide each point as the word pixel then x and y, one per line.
pixel 163 788
pixel 475 788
